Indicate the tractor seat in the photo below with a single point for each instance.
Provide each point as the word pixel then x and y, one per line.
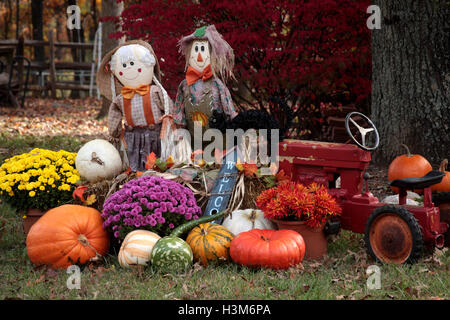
pixel 411 183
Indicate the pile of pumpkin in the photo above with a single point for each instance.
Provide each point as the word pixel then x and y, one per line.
pixel 73 234
pixel 416 165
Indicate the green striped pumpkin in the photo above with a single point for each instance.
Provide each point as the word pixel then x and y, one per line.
pixel 210 242
pixel 173 254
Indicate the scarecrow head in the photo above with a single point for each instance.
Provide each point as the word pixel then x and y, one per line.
pixel 206 47
pixel 131 64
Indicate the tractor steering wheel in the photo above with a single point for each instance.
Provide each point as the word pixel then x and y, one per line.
pixel 362 131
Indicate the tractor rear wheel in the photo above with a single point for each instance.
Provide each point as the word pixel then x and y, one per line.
pixel 393 235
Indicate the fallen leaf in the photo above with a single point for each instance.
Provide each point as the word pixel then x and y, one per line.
pixel 151 159
pixel 91 199
pixel 250 169
pixel 78 193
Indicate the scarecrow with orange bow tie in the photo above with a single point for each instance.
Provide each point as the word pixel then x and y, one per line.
pixel 209 63
pixel 132 71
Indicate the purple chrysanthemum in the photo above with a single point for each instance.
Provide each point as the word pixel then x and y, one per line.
pixel 151 203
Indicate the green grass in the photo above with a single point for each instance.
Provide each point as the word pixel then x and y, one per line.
pixel 341 276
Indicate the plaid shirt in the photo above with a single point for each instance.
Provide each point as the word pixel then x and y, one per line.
pixel 116 111
pixel 220 93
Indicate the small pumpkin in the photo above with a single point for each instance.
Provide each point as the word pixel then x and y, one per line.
pixel 210 242
pixel 137 248
pixel 244 220
pixel 66 235
pixel 98 160
pixel 444 185
pixel 275 249
pixel 408 165
pixel 173 254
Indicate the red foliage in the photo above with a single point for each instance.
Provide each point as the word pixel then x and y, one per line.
pixel 304 51
pixel 294 201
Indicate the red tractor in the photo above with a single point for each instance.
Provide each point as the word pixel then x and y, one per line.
pixel 392 233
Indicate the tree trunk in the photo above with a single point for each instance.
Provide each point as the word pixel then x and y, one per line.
pixel 110 8
pixel 37 21
pixel 411 79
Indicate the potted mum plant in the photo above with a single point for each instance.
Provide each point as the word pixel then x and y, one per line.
pixel 150 203
pixel 36 181
pixel 293 206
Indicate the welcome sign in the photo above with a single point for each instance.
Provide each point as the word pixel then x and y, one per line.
pixel 223 185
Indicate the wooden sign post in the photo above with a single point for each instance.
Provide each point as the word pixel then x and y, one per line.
pixel 223 185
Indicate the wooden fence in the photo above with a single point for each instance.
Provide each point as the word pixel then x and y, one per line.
pixel 51 65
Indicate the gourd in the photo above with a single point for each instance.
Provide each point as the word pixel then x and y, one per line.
pixel 408 165
pixel 444 185
pixel 66 235
pixel 275 249
pixel 210 242
pixel 173 254
pixel 98 160
pixel 244 220
pixel 137 248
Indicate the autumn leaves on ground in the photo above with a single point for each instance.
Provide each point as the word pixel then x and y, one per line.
pixel 67 124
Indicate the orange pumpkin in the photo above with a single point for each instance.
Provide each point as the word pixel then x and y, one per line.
pixel 444 185
pixel 275 249
pixel 210 242
pixel 66 235
pixel 408 165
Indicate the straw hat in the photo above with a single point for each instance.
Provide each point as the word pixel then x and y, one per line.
pixel 105 77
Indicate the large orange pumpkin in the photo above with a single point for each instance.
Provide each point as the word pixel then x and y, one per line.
pixel 444 185
pixel 408 165
pixel 276 249
pixel 66 235
pixel 210 242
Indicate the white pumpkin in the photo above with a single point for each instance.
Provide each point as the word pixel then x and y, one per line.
pixel 245 220
pixel 137 248
pixel 98 160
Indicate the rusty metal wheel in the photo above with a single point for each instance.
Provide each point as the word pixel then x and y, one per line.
pixel 393 235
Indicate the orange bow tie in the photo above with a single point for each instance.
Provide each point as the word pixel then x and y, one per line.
pixel 128 92
pixel 192 75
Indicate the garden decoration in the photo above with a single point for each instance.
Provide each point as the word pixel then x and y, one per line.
pixel 224 184
pixel 409 227
pixel 408 165
pixel 151 203
pixel 132 70
pixel 173 254
pixel 303 209
pixel 209 64
pixel 275 249
pixel 67 235
pixel 210 242
pixel 245 220
pixel 36 181
pixel 137 248
pixel 98 160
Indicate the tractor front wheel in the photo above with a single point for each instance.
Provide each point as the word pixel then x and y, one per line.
pixel 393 235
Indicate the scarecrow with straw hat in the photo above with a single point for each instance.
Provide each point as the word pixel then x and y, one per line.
pixel 209 63
pixel 130 77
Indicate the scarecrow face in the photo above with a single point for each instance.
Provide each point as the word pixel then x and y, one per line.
pixel 132 67
pixel 200 56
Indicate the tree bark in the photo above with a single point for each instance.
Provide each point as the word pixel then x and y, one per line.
pixel 37 21
pixel 411 79
pixel 110 8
